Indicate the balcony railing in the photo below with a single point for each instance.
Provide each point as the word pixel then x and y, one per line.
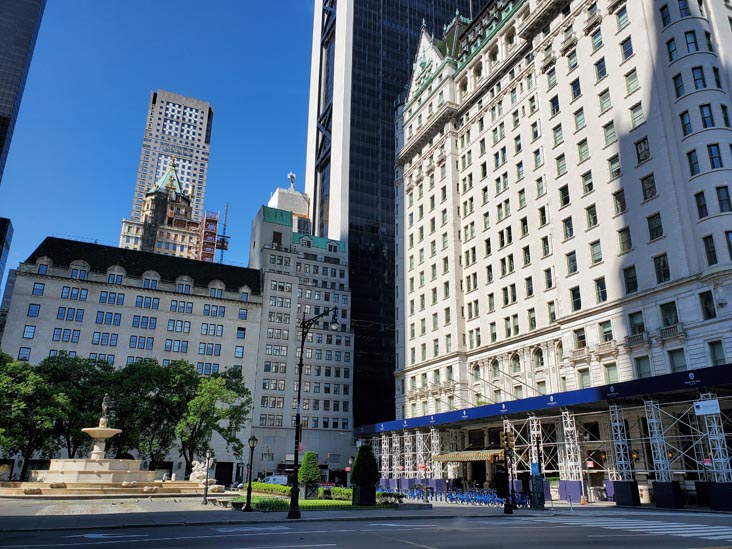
pixel 636 339
pixel 670 332
pixel 579 355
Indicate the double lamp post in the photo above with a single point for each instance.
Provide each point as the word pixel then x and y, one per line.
pixel 305 325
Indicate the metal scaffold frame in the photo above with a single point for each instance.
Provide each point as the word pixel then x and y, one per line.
pixel 569 461
pixel 536 442
pixel 435 450
pixel 396 456
pixel 385 456
pixel 408 452
pixel 623 469
pixel 657 440
pixel 714 428
pixel 421 440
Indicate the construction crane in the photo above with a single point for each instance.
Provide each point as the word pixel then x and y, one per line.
pixel 222 241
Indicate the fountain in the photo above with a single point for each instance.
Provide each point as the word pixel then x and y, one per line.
pixel 95 469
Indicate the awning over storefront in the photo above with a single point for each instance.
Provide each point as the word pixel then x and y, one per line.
pixel 466 455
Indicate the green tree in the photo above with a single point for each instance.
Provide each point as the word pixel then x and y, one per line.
pixel 149 401
pixel 365 470
pixel 309 473
pixel 221 404
pixel 84 382
pixel 29 410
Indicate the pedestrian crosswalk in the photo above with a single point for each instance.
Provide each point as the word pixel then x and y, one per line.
pixel 650 527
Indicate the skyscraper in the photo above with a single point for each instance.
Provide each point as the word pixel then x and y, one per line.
pixel 19 23
pixel 361 61
pixel 177 126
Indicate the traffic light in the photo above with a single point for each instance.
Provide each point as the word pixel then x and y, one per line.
pixel 507 439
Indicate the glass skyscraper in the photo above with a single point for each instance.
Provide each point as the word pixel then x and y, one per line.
pixel 363 51
pixel 19 23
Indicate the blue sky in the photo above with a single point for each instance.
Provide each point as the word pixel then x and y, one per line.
pixel 73 159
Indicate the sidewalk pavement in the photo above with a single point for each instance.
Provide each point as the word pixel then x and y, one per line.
pixel 23 514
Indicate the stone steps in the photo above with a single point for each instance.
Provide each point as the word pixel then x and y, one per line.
pixel 91 489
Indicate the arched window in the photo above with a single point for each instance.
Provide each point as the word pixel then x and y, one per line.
pixel 538 359
pixel 495 371
pixel 515 364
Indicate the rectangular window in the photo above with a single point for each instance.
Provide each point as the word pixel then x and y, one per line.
pixel 662 269
pixel 648 185
pixel 600 290
pixel 576 298
pixel 655 227
pixel 706 300
pixel 600 69
pixel 665 15
pixel 630 280
pixel 701 205
pixel 723 197
pixel 613 165
pixel 677 360
pixel 707 117
pixel 642 150
pixel 716 353
pixel 678 85
pixel 636 116
pixel 626 48
pixel 691 44
pixel 671 50
pixel 710 250
pixel 693 161
pixel 715 156
pixel 685 123
pixel 700 82
pixel 642 366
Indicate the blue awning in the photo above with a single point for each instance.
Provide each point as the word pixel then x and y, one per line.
pixel 698 380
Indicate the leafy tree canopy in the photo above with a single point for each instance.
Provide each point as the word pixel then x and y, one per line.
pixel 365 470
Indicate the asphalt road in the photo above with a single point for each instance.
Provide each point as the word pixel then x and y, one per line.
pixel 642 530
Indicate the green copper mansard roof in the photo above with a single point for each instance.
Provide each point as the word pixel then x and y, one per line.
pixel 277 216
pixel 169 179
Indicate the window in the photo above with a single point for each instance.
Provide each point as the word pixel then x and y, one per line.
pixel 677 360
pixel 637 117
pixel 611 372
pixel 669 314
pixel 571 263
pixel 626 48
pixel 662 269
pixel 716 353
pixel 622 18
pixel 572 61
pixel 665 15
pixel 34 309
pixel 600 69
pixel 561 165
pixel 609 132
pixel 576 298
pixel 671 50
pixel 655 227
pixel 636 323
pixel 693 160
pixel 684 8
pixel 591 212
pixel 558 135
pixel 613 165
pixel 619 202
pixel 564 196
pixel 554 105
pixel 29 332
pixel 580 341
pixel 576 88
pixel 626 243
pixel 678 85
pixel 551 78
pixel 630 280
pixel 600 290
pixel 579 119
pixel 707 117
pixel 583 379
pixel 605 102
pixel 701 205
pixel 596 252
pixel 715 156
pixel 685 123
pixel 691 45
pixel 587 183
pixel 700 81
pixel 642 150
pixel 568 228
pixel 583 150
pixel 24 353
pixel 710 250
pixel 648 185
pixel 725 205
pixel 606 331
pixel 642 366
pixel 706 300
pixel 596 40
pixel 38 288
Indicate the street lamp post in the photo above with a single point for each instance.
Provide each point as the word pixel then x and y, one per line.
pixel 252 445
pixel 205 486
pixel 305 325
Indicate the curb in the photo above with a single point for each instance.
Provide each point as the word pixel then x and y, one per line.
pixel 229 522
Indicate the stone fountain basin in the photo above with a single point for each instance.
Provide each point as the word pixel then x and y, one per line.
pixel 101 432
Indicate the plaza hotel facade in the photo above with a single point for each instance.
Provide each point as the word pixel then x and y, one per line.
pixel 564 247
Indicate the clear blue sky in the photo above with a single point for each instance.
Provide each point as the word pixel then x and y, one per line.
pixel 73 159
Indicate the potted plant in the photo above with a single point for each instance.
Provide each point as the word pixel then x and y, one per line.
pixel 364 476
pixel 309 475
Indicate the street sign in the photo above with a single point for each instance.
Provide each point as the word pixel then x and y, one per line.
pixel 590 464
pixel 301 448
pixel 348 469
pixel 422 467
pixel 706 407
pixel 534 468
pixel 707 462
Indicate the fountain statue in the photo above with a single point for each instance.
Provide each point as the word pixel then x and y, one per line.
pixel 102 432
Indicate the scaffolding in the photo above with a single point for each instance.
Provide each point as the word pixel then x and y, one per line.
pixel 714 428
pixel 408 452
pixel 385 456
pixel 657 440
pixel 622 469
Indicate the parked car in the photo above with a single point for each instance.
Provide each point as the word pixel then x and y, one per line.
pixel 276 479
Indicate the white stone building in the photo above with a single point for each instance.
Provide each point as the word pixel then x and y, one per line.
pixel 302 276
pixel 563 207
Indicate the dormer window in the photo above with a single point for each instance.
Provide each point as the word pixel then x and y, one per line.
pixel 150 283
pixel 215 292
